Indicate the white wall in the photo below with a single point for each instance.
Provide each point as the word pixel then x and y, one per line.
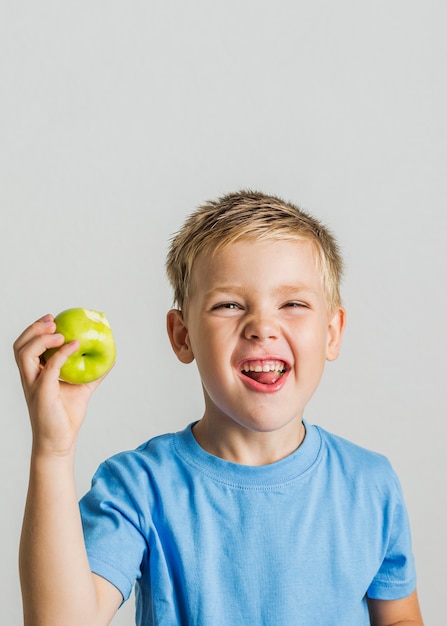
pixel 118 118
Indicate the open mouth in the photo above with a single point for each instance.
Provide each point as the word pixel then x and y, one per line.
pixel 264 372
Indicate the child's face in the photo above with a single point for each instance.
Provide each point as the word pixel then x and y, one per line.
pixel 258 306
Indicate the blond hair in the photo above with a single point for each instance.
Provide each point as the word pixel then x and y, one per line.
pixel 249 215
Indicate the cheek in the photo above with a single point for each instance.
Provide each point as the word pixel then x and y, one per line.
pixel 312 343
pixel 213 351
pixel 211 337
pixel 206 349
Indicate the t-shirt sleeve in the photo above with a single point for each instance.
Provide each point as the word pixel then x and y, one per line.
pixel 396 577
pixel 116 545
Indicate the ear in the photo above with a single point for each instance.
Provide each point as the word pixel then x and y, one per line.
pixel 178 336
pixel 336 327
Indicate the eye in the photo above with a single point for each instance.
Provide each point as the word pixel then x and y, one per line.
pixel 295 304
pixel 231 306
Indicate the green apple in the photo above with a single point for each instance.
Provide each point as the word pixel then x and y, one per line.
pixel 97 352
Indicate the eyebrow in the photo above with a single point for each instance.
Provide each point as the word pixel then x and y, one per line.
pixel 282 290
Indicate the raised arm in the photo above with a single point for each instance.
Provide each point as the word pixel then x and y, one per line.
pixel 58 587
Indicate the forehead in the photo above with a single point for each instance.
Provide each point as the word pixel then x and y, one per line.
pixel 255 260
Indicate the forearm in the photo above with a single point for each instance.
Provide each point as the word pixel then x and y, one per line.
pixel 57 585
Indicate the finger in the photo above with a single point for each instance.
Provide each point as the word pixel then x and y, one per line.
pixel 58 359
pixel 44 325
pixel 29 355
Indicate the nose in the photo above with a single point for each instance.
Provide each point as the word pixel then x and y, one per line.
pixel 261 328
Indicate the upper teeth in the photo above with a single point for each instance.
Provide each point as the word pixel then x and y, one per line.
pixel 268 366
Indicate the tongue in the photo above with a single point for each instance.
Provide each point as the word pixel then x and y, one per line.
pixel 265 378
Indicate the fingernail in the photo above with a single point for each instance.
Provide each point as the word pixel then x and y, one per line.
pixel 46 318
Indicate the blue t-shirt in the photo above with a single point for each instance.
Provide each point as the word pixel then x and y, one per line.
pixel 211 543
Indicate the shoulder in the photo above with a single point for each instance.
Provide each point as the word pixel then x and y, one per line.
pixel 151 469
pixel 348 450
pixel 150 459
pixel 358 463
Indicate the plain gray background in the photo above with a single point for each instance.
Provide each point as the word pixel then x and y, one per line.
pixel 119 118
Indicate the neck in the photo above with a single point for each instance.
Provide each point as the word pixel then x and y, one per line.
pixel 247 447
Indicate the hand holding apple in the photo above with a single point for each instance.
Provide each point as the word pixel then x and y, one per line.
pixel 97 352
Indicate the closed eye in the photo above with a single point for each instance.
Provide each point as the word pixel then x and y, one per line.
pixel 296 305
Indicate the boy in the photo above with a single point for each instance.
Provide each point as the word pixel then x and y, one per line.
pixel 250 516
